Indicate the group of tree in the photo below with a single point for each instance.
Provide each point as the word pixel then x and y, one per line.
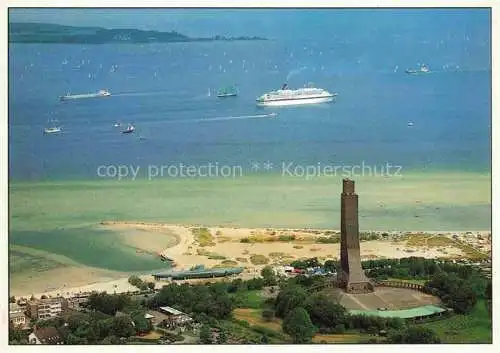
pixel 98 328
pixel 422 268
pixel 139 283
pixel 325 314
pixel 17 335
pixel 108 303
pixel 456 293
pixel 299 326
pixel 413 335
pixel 212 299
pixel 488 297
pixel 306 263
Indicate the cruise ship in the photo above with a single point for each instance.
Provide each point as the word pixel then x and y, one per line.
pixel 101 93
pixel 285 96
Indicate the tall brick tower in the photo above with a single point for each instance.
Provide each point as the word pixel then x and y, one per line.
pixel 352 277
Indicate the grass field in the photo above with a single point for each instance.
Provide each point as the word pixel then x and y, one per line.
pixel 249 299
pixel 473 328
pixel 254 318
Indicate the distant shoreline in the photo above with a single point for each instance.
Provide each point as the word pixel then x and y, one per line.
pixel 46 33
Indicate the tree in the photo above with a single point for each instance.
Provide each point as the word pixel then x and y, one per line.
pixel 269 276
pixel 414 334
pixel 122 326
pixel 267 314
pixel 299 326
pixel 463 300
pixel 487 296
pixel 151 285
pixel 12 299
pixel 16 335
pixel 454 291
pixel 289 298
pixel 110 340
pixel 205 335
pixel 108 304
pixel 330 265
pixel 324 311
pixel 222 338
pixel 142 324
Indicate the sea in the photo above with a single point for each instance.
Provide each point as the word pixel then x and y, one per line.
pixel 433 129
pixel 439 121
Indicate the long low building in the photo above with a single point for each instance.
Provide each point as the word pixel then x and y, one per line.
pixel 198 272
pixel 418 313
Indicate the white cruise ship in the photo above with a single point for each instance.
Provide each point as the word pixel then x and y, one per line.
pixel 285 96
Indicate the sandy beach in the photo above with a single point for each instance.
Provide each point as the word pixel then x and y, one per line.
pixel 251 248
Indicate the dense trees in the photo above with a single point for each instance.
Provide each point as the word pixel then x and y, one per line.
pixel 17 336
pixel 324 311
pixel 414 334
pixel 205 335
pixel 331 265
pixel 107 303
pixel 92 328
pixel 267 314
pixel 455 292
pixel 269 276
pixel 303 264
pixel 289 298
pixel 488 296
pixel 139 283
pixel 298 325
pixel 212 299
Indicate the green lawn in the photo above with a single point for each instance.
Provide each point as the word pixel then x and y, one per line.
pixel 473 328
pixel 249 299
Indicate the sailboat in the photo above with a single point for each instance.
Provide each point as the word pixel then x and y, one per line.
pixel 229 91
pixel 130 128
pixel 424 69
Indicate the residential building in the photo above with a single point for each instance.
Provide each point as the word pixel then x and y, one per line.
pixel 47 308
pixel 16 315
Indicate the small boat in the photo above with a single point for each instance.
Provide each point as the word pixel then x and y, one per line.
pixel 272 115
pixel 101 93
pixel 410 123
pixel 117 124
pixel 129 129
pixel 422 70
pixel 227 92
pixel 52 130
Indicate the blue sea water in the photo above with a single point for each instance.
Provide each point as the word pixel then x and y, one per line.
pixel 163 89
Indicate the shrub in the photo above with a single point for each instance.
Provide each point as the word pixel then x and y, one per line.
pixel 340 328
pixel 286 238
pixel 299 326
pixel 203 236
pixel 259 260
pixel 267 314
